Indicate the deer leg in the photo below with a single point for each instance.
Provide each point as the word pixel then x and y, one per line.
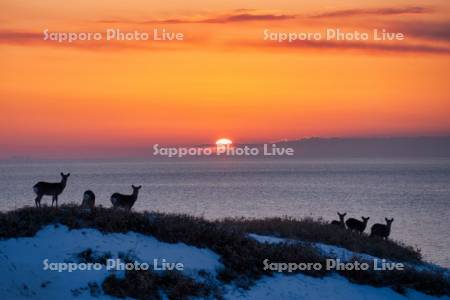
pixel 53 199
pixel 56 200
pixel 37 201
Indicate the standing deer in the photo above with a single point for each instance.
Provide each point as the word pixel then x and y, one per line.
pixel 356 225
pixel 88 199
pixel 53 189
pixel 125 201
pixel 381 230
pixel 341 220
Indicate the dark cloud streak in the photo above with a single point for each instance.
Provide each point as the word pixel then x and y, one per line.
pixel 348 45
pixel 19 37
pixel 374 11
pixel 431 32
pixel 232 18
pixel 438 31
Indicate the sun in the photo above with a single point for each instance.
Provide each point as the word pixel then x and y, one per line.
pixel 224 142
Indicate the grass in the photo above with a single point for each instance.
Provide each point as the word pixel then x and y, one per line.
pixel 149 285
pixel 241 256
pixel 319 231
pixel 431 283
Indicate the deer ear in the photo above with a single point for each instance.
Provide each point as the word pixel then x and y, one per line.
pixel 139 186
pixel 62 174
pixel 68 174
pixel 386 219
pixel 344 214
pixel 133 186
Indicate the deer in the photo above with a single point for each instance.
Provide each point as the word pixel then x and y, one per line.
pixel 341 220
pixel 88 199
pixel 381 230
pixel 53 189
pixel 125 201
pixel 357 225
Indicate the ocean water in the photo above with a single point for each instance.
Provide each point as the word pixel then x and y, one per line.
pixel 416 193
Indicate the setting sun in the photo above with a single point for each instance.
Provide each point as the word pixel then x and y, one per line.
pixel 223 142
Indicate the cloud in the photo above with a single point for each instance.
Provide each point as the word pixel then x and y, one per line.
pixel 251 17
pixel 32 38
pixel 374 11
pixel 17 37
pixel 348 45
pixel 243 15
pixel 428 31
pixel 439 31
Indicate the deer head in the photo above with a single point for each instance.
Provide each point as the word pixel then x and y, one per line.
pixel 64 177
pixel 341 216
pixel 136 188
pixel 389 221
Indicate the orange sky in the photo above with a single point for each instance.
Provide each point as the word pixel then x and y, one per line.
pixel 109 98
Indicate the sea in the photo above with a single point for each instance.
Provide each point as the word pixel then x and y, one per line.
pixel 415 192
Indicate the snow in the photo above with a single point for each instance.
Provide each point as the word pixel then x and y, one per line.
pixel 21 260
pixel 298 287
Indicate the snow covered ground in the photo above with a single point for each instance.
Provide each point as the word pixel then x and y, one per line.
pixel 21 260
pixel 301 287
pixel 22 275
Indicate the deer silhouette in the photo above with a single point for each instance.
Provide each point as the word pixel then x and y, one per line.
pixel 341 220
pixel 53 189
pixel 381 230
pixel 357 225
pixel 88 199
pixel 125 201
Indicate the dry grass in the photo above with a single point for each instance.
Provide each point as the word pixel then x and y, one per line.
pixel 318 231
pixel 431 283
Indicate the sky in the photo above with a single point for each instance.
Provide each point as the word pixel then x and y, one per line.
pixel 118 98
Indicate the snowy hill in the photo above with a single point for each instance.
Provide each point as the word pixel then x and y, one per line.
pixel 80 261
